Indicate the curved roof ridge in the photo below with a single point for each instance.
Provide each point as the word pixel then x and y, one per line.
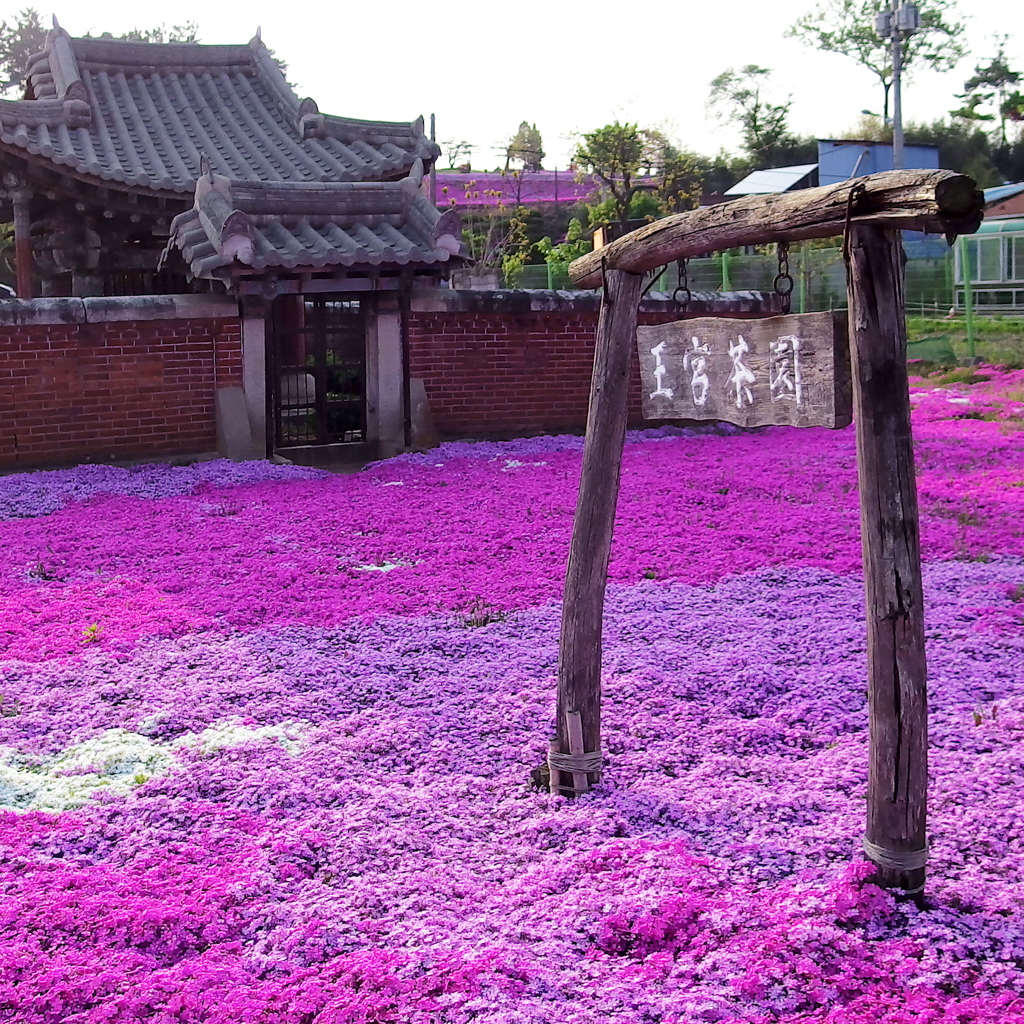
pixel 130 53
pixel 53 73
pixel 67 80
pixel 273 78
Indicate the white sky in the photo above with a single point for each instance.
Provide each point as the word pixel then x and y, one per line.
pixel 569 67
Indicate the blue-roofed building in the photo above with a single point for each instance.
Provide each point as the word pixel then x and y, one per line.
pixel 840 159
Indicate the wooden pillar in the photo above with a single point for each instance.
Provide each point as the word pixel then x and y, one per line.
pixel 579 663
pixel 895 839
pixel 22 244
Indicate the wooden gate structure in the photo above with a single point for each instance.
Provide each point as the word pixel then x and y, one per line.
pixel 869 212
pixel 317 369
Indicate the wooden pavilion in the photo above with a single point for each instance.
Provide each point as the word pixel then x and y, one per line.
pixel 112 138
pixel 139 169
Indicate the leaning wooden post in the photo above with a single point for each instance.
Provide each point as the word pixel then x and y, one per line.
pixel 579 662
pixel 895 840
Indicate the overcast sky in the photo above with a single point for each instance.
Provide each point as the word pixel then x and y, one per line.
pixel 569 67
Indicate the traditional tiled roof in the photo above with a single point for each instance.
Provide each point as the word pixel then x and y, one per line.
pixel 240 227
pixel 143 115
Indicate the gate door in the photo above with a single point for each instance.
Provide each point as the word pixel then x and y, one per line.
pixel 319 370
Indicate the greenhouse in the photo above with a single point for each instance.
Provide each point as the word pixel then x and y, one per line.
pixel 995 256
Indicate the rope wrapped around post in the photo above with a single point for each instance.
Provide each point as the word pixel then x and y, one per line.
pixel 895 860
pixel 592 762
pixel 577 762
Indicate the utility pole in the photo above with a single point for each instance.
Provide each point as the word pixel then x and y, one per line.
pixel 433 163
pixel 896 23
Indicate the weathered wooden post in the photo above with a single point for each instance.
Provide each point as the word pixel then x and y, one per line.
pixel 579 662
pixel 22 244
pixel 895 840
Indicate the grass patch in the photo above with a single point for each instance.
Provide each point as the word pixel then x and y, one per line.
pixel 999 340
pixel 941 377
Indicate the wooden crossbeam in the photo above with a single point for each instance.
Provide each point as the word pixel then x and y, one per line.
pixel 937 201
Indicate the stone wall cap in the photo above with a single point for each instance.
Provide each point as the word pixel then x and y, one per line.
pixel 159 307
pixel 24 312
pixel 536 300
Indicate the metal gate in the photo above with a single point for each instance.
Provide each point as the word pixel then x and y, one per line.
pixel 318 370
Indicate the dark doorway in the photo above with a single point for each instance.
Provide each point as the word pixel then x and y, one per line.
pixel 318 370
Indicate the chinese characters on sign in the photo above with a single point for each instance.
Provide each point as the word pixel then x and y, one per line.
pixel 792 369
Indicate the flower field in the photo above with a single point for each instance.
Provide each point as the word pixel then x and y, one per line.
pixel 266 738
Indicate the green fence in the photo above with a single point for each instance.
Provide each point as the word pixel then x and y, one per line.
pixel 819 278
pixel 937 332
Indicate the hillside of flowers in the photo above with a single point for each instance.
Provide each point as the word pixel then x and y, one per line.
pixel 266 738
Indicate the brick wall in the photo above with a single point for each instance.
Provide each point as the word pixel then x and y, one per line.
pixel 499 366
pixel 111 387
pixel 100 379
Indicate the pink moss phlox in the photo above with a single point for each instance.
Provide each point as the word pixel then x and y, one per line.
pixel 473 529
pixel 348 679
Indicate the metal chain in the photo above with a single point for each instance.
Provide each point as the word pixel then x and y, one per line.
pixel 682 295
pixel 783 283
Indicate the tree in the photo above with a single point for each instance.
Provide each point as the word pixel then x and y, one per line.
pixel 613 155
pixel 991 83
pixel 19 39
pixel 26 35
pixel 848 27
pixel 527 147
pixel 739 96
pixel 618 155
pixel 963 146
pixel 570 248
pixel 677 174
pixel 456 150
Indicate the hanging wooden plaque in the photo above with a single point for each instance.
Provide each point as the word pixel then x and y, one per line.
pixel 783 370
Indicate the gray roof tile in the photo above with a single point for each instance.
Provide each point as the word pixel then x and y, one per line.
pixel 240 227
pixel 145 114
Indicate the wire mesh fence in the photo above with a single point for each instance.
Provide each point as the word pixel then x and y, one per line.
pixel 940 330
pixel 819 278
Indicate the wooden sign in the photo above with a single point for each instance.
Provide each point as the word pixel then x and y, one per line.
pixel 792 369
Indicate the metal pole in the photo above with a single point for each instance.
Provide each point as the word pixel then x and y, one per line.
pixel 965 273
pixel 433 164
pixel 897 101
pixel 801 293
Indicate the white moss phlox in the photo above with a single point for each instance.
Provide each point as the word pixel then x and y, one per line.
pixel 117 762
pixel 232 733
